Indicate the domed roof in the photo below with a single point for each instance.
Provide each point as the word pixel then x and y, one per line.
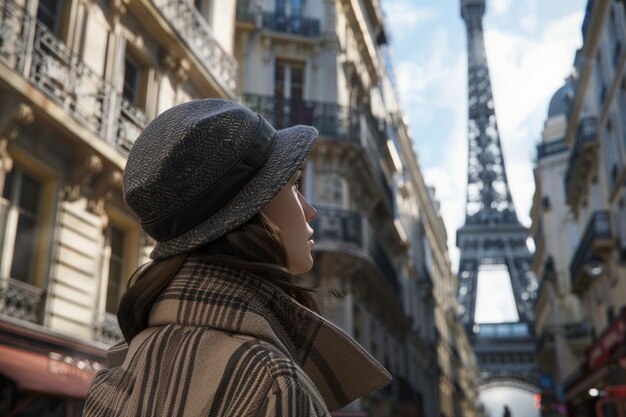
pixel 561 100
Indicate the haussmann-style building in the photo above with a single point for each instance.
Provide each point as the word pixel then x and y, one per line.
pixel 79 80
pixel 579 226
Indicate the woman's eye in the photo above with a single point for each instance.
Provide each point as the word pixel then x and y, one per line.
pixel 298 184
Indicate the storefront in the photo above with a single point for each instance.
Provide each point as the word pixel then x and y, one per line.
pixel 43 374
pixel 600 391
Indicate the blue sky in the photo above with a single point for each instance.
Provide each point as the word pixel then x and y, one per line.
pixel 530 49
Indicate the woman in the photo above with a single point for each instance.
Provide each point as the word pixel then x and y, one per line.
pixel 217 324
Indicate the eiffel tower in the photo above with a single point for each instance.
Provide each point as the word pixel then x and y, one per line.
pixel 492 241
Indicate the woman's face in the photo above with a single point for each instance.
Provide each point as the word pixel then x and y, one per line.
pixel 290 211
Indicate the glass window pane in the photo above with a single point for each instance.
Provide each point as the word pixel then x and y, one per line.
pixel 47 13
pixel 24 251
pixel 117 242
pixel 279 80
pixel 116 269
pixel 8 185
pixel 280 6
pixel 30 192
pixel 131 73
pixel 114 285
pixel 297 82
pixel 296 7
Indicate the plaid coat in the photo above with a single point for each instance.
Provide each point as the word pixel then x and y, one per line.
pixel 223 342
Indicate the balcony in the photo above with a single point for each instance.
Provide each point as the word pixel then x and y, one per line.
pixel 250 12
pixel 333 120
pixel 59 73
pixel 106 329
pixel 581 159
pixel 598 237
pixel 193 29
pixel 294 24
pixel 54 68
pixel 545 150
pixel 20 300
pixel 578 336
pixel 130 122
pixel 342 229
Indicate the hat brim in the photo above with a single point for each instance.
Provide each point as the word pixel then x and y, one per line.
pixel 290 150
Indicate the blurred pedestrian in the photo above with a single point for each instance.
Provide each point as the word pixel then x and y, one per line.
pixel 217 323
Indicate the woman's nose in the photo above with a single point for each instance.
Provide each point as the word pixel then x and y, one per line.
pixel 310 212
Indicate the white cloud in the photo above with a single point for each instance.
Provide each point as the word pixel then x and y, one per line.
pixel 404 15
pixel 526 69
pixel 529 20
pixel 525 73
pixel 434 90
pixel 501 7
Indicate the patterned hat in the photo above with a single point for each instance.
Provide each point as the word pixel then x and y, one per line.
pixel 201 169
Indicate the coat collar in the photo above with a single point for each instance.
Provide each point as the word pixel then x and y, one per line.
pixel 232 300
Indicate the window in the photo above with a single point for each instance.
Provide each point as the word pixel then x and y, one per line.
pixel 48 14
pixel 114 250
pixel 289 94
pixel 331 189
pixel 289 7
pixel 289 80
pixel 22 194
pixel 131 80
pixel 614 37
pixel 205 8
pixel 599 72
pixel 612 153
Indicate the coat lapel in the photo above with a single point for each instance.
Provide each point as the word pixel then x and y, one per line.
pixel 226 299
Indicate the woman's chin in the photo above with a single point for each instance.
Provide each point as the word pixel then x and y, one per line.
pixel 303 266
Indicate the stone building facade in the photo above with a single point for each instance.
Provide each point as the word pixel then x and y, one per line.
pixel 579 223
pixel 379 238
pixel 78 82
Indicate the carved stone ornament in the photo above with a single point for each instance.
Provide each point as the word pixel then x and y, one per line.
pixel 118 9
pixel 178 67
pixel 11 122
pixel 80 178
pixel 102 191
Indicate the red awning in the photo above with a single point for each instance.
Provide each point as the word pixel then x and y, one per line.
pixel 50 374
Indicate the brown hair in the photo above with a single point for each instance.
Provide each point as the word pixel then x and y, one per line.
pixel 256 246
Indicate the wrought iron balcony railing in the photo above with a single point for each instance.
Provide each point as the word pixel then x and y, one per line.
pixel 57 71
pixel 570 331
pixel 195 31
pixel 333 120
pixel 20 300
pixel 54 68
pixel 341 226
pixel 545 150
pixel 106 329
pixel 130 123
pixel 350 228
pixel 598 236
pixel 580 159
pixel 295 24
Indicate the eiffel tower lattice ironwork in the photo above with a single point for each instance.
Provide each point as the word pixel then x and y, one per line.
pixel 492 238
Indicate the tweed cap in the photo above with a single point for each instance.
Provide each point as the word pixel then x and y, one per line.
pixel 201 169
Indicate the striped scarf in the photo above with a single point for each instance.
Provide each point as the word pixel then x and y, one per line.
pixel 224 342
